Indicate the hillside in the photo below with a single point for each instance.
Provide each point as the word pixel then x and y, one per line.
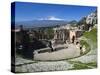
pixel 41 23
pixel 88 60
pixel 91 38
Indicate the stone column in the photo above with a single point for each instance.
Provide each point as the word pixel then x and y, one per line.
pixel 63 35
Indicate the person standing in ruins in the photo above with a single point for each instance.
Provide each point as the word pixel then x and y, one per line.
pixel 73 39
pixel 50 45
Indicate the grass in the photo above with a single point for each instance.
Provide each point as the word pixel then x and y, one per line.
pixel 91 42
pixel 93 64
pixel 92 35
pixel 82 42
pixel 79 65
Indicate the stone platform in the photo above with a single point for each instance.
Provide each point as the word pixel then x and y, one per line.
pixel 65 53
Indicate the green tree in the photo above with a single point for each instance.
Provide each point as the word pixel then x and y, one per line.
pixel 50 33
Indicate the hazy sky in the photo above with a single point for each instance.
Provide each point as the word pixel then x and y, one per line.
pixel 36 11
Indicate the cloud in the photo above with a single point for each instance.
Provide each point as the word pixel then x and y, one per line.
pixel 51 18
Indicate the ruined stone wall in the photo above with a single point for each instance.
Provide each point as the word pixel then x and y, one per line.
pixel 71 34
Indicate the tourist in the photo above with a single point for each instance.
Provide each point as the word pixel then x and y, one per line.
pixel 66 44
pixel 50 45
pixel 73 39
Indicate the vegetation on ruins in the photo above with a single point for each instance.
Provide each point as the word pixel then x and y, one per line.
pixel 50 33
